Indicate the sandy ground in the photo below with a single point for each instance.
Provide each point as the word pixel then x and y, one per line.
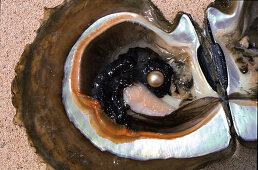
pixel 19 21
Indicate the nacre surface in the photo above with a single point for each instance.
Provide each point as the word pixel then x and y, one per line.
pixel 161 148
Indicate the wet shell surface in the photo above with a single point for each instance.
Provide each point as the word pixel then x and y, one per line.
pixel 119 86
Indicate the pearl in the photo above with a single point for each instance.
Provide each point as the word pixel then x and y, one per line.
pixel 155 78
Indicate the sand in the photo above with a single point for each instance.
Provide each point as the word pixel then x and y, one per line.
pixel 19 21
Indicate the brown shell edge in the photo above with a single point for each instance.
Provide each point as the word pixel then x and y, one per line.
pixel 18 81
pixel 17 91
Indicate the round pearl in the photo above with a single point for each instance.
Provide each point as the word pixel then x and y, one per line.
pixel 155 78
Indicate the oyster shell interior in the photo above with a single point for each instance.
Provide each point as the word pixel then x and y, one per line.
pixel 164 135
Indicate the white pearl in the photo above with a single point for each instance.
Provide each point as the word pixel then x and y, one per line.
pixel 155 78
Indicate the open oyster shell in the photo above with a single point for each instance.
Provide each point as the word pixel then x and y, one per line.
pixel 37 91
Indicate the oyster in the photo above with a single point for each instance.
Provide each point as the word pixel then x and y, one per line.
pixel 187 137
